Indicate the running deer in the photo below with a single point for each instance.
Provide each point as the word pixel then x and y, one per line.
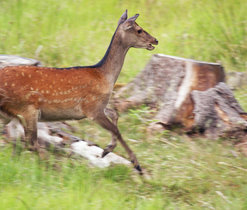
pixel 32 93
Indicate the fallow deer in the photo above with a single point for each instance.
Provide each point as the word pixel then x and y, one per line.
pixel 32 93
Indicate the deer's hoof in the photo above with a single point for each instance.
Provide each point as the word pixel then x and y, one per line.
pixel 105 152
pixel 137 166
pixel 108 149
pixel 139 169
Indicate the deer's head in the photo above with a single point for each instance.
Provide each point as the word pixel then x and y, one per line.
pixel 133 35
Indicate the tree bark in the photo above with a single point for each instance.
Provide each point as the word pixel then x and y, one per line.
pixel 218 113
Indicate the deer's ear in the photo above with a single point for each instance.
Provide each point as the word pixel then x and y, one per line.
pixel 123 17
pixel 133 19
pixel 130 22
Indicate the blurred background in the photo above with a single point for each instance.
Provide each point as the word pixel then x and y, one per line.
pixel 78 32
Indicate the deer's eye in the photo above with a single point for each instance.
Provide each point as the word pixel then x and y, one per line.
pixel 139 31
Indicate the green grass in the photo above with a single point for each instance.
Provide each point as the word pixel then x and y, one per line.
pixel 184 174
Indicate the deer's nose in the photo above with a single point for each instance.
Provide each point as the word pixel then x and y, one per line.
pixel 156 41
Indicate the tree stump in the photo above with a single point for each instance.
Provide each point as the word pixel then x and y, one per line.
pixel 179 89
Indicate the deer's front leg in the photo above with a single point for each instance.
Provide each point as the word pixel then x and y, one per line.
pixel 102 120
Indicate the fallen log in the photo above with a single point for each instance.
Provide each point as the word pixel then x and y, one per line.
pixel 14 60
pixel 180 91
pixel 52 134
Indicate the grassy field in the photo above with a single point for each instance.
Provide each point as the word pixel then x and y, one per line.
pixel 184 173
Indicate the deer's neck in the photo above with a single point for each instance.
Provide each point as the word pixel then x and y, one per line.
pixel 113 60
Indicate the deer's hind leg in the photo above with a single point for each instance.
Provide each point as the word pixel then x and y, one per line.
pixel 29 119
pixel 113 115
